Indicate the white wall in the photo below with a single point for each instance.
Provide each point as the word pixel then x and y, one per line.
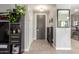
pixel 28 27
pixel 50 15
pixel 26 34
pixel 30 24
pixel 63 38
pixel 63 35
pixel 4 7
pixel 54 26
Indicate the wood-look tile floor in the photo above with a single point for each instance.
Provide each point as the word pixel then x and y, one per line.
pixel 75 46
pixel 43 47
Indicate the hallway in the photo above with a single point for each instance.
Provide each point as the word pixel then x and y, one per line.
pixel 41 46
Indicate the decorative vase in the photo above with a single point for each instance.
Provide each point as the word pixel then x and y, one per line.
pixel 14 31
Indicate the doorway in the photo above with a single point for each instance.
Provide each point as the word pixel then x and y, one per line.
pixel 41 26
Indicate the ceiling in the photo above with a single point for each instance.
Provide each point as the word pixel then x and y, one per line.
pixel 51 7
pixel 75 9
pixel 43 7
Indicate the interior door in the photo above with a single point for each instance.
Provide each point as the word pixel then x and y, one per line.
pixel 41 26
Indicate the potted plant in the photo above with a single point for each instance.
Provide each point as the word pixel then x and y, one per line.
pixel 14 15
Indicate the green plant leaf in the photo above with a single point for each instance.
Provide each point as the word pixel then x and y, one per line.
pixel 13 16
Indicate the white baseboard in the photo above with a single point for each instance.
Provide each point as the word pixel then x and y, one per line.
pixel 63 48
pixel 26 50
pixel 28 47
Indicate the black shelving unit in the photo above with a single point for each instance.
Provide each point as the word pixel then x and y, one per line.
pixel 15 38
pixel 14 44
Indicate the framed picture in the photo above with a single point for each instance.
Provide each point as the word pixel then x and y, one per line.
pixel 51 20
pixel 63 18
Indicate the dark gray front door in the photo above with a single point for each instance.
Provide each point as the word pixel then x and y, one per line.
pixel 40 26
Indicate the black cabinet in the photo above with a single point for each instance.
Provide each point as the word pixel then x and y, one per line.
pixel 15 38
pixel 50 35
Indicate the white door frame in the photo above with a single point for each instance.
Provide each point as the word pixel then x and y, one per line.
pixel 36 24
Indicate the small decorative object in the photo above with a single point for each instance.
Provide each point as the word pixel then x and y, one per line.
pixel 15 49
pixel 14 31
pixel 63 23
pixel 18 30
pixel 14 15
pixel 51 20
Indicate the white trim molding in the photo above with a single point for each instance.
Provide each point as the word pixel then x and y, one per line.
pixel 26 50
pixel 63 48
